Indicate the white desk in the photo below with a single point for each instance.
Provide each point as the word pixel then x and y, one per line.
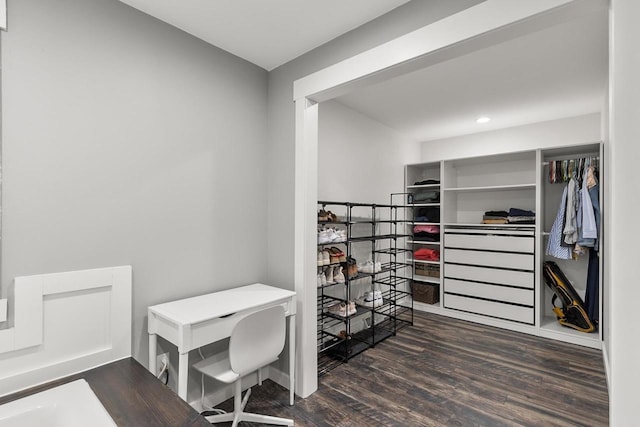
pixel 195 322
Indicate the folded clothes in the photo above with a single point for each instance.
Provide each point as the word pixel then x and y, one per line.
pixel 426 237
pixel 432 229
pixel 521 219
pixel 426 196
pixel 427 254
pixel 432 214
pixel 493 217
pixel 427 182
pixel 495 221
pixel 497 213
pixel 520 212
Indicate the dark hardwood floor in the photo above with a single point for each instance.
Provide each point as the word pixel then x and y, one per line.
pixel 447 372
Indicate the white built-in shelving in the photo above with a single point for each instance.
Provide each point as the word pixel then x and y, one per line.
pixel 468 188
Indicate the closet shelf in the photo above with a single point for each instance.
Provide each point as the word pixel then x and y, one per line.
pixel 426 279
pixel 492 188
pixel 419 261
pixel 418 205
pixel 456 224
pixel 422 242
pixel 425 186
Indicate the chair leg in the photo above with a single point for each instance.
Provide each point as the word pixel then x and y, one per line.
pixel 244 400
pixel 265 419
pixel 220 418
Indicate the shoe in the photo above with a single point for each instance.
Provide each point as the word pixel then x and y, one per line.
pixel 370 267
pixel 323 279
pixel 332 234
pixel 319 282
pixel 320 259
pixel 351 308
pixel 328 272
pixel 333 256
pixel 373 303
pixel 372 295
pixel 322 215
pixel 339 309
pixel 323 236
pixel 351 268
pixel 340 236
pixel 338 275
pixel 326 257
pixel 343 335
pixel 332 217
pixel 338 253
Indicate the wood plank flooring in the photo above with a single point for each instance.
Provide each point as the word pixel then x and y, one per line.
pixel 447 372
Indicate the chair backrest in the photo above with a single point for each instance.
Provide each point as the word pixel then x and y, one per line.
pixel 257 340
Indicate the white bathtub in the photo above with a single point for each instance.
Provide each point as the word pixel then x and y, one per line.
pixel 70 405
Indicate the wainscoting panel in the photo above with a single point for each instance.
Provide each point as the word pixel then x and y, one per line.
pixel 65 323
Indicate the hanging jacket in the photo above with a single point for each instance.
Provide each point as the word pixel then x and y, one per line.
pixel 554 244
pixel 570 229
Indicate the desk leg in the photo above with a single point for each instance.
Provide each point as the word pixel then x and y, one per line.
pixel 292 357
pixel 153 339
pixel 183 375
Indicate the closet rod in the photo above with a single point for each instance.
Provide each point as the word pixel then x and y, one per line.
pixel 573 158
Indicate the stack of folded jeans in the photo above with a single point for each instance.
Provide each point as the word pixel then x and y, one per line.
pixel 521 216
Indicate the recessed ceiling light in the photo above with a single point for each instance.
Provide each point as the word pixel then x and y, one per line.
pixel 483 119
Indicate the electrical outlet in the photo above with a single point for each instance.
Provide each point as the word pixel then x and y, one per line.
pixel 160 360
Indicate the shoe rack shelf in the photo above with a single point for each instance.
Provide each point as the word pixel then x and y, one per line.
pixel 372 302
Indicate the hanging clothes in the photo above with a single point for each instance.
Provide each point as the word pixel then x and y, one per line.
pixel 554 244
pixel 570 229
pixel 592 294
pixel 589 228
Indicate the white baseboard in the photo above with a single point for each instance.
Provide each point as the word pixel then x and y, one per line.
pixel 3 310
pixel 279 377
pixel 607 369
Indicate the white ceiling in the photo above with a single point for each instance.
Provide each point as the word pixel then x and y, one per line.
pixel 268 33
pixel 554 73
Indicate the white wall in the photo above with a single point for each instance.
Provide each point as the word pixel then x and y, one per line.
pixel 128 142
pixel 554 133
pixel 360 159
pixel 625 205
pixel 400 21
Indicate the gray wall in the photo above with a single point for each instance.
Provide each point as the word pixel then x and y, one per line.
pixel 127 141
pixel 400 21
pixel 360 159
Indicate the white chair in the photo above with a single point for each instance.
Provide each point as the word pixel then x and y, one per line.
pixel 256 341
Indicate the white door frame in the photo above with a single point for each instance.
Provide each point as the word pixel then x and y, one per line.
pixel 477 27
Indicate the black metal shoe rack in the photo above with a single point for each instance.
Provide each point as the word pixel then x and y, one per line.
pixel 376 231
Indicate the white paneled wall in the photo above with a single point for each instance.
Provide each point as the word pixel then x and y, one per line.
pixel 65 323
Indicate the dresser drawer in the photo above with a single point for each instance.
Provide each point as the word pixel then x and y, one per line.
pixel 492 292
pixel 489 308
pixel 490 259
pixel 489 242
pixel 522 279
